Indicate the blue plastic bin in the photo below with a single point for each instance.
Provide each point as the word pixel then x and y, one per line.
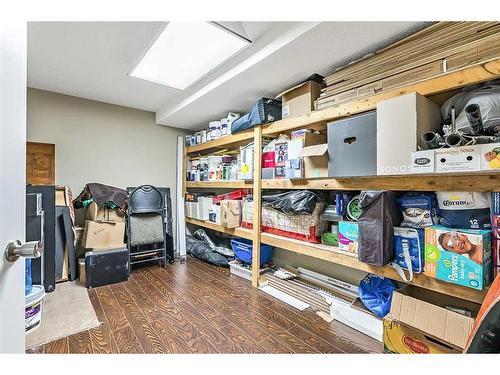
pixel 243 251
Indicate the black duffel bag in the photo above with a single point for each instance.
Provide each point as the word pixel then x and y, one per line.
pixel 264 111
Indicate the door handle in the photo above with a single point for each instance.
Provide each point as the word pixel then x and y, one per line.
pixel 16 249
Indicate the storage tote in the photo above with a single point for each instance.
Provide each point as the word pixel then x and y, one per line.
pixel 243 251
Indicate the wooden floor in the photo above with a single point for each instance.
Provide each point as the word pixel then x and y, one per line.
pixel 197 308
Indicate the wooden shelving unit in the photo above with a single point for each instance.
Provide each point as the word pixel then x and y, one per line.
pixel 435 182
pixel 333 255
pixel 318 119
pixel 242 184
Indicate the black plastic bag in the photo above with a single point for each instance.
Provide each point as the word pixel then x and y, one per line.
pixel 216 243
pixel 292 202
pixel 379 216
pixel 200 250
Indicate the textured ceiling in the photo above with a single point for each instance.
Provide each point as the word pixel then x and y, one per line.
pixel 92 60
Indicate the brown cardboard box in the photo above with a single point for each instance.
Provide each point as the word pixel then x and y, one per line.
pixel 426 311
pixel 400 338
pixel 299 99
pixel 300 139
pixel 315 160
pixel 62 196
pixel 81 271
pixel 230 213
pixel 96 213
pixel 100 234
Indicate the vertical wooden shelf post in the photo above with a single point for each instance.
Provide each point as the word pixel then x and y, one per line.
pixel 257 192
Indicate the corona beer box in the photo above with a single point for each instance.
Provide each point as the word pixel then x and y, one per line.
pixel 402 339
pixel 458 256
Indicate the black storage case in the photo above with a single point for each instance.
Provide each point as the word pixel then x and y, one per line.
pixel 264 111
pixel 106 267
pixel 45 276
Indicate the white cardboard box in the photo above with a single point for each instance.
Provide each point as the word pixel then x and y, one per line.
pixel 246 162
pixel 400 123
pixel 204 204
pixel 490 161
pixel 457 159
pixel 422 161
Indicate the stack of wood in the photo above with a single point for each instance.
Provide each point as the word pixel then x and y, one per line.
pixel 438 49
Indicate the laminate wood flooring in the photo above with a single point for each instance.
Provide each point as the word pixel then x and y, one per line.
pixel 194 307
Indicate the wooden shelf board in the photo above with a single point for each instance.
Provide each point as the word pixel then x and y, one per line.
pixel 221 142
pixel 445 82
pixel 436 182
pixel 448 81
pixel 238 232
pixel 334 255
pixel 241 184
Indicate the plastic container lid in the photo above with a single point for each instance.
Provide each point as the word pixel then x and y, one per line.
pixel 213 124
pixel 37 293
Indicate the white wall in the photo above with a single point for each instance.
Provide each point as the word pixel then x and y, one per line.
pixel 99 142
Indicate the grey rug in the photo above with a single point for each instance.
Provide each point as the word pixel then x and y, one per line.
pixel 65 311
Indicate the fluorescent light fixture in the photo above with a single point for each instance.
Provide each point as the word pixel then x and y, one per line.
pixel 186 51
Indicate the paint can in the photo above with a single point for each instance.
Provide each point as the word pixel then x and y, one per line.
pixel 33 308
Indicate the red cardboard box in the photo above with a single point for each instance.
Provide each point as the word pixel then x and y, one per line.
pixel 268 159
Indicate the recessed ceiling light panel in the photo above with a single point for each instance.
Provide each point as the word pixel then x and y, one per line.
pixel 186 51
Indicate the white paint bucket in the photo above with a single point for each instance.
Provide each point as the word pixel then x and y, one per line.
pixel 33 308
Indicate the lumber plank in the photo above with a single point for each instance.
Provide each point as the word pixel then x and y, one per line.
pixel 257 194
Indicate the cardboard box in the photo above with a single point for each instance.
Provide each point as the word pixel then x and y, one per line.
pixel 490 156
pixel 267 173
pixel 246 162
pixel 352 146
pixel 204 204
pixel 307 137
pixel 423 161
pixel 400 338
pixel 433 313
pixel 191 209
pixel 294 166
pixel 96 213
pixel 62 196
pixel 458 256
pixel 348 236
pixel 315 161
pixel 457 159
pixel 214 214
pixel 281 157
pixel 81 271
pixel 400 123
pixel 294 169
pixel 299 99
pixel 268 159
pixel 99 234
pixel 230 213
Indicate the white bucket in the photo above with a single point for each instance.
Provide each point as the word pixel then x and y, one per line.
pixel 33 308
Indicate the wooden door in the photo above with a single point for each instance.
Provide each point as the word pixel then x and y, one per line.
pixel 40 163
